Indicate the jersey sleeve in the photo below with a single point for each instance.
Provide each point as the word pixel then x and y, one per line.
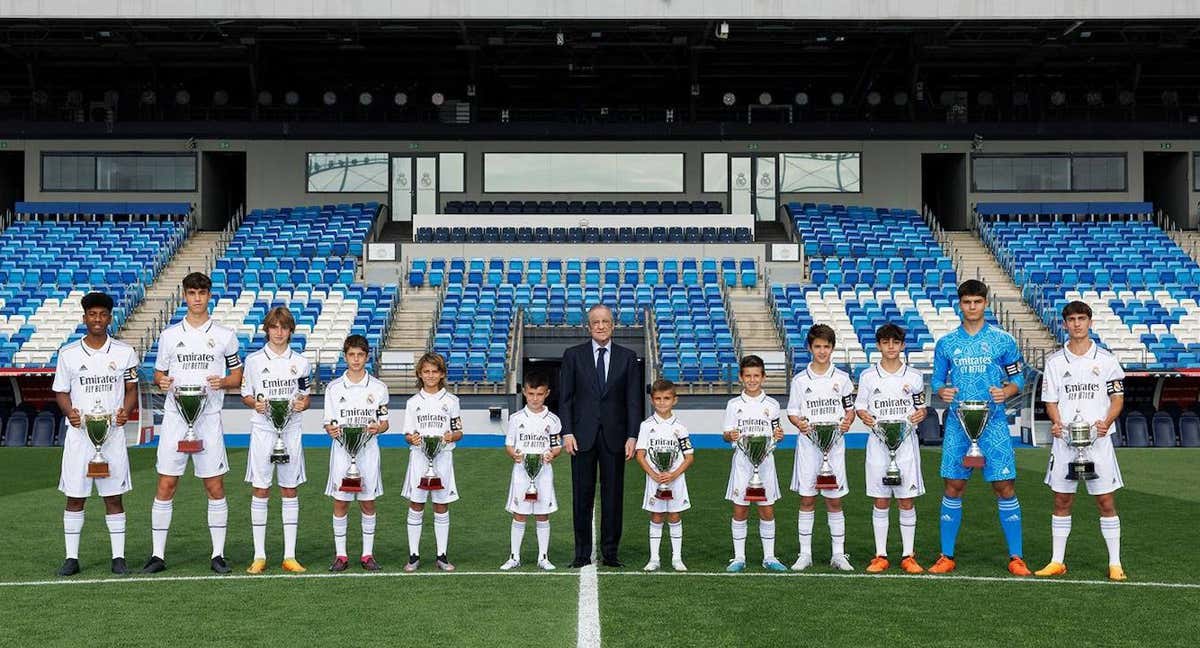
pixel 731 422
pixel 846 391
pixel 510 432
pixel 232 359
pixel 1114 383
pixel 62 377
pixel 643 438
pixel 304 381
pixel 685 441
pixel 863 401
pixel 918 389
pixel 410 418
pixel 327 410
pixel 793 406
pixel 249 377
pixel 1010 361
pixel 456 424
pixel 555 432
pixel 131 368
pixel 163 361
pixel 1050 384
pixel 941 364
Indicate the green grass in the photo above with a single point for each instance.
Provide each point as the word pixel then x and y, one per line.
pixel 1159 510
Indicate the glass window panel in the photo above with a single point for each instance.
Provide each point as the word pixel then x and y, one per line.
pixel 347 172
pixel 716 172
pixel 583 172
pixel 451 172
pixel 820 172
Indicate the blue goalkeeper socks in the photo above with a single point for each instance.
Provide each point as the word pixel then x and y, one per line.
pixel 951 518
pixel 1010 523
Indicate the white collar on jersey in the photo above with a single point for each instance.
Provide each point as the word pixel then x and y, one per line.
pixel 812 374
pixel 350 383
pixel 757 399
pixel 528 412
pixel 659 419
pixel 1092 352
pixel 89 351
pixel 273 356
pixel 203 328
pixel 434 396
pixel 884 372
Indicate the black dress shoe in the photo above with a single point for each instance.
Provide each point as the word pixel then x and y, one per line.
pixel 580 562
pixel 612 562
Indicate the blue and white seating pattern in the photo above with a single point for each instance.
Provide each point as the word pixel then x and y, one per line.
pixel 306 232
pixel 482 297
pixel 854 232
pixel 49 266
pixel 584 235
pixel 1141 286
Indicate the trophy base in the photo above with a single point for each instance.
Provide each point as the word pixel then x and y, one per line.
pixel 973 462
pixel 280 459
pixel 756 494
pixel 351 485
pixel 891 480
pixel 827 482
pixel 190 447
pixel 430 483
pixel 1085 471
pixel 665 495
pixel 531 497
pixel 97 470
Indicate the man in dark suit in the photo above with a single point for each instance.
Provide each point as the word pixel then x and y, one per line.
pixel 600 405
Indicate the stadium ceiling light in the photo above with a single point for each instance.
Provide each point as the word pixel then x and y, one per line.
pixel 265 98
pixel 728 98
pixel 329 98
pixel 149 97
pixel 1125 97
pixel 504 116
pixel 471 90
pixel 400 98
pixel 1094 97
pixel 801 98
pixel 365 99
pixel 1058 98
pixel 900 98
pixel 220 98
pixel 182 97
pixel 722 30
pixel 670 115
pixel 765 98
pixel 437 99
pixel 291 98
pixel 695 90
pixel 560 39
pixel 837 98
pixel 874 98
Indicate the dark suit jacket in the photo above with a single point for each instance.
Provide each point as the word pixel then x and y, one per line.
pixel 611 412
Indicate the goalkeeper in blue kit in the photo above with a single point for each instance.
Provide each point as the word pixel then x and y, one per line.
pixel 978 362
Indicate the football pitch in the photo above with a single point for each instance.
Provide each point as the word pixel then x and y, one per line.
pixel 980 604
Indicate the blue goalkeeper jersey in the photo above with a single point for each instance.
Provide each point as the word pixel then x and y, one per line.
pixel 975 363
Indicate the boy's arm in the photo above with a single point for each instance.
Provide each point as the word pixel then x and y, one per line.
pixel 941 366
pixel 645 463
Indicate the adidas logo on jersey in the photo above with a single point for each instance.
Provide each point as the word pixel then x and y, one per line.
pixel 180 345
pixel 1067 374
pixel 877 391
pixel 82 368
pixel 266 370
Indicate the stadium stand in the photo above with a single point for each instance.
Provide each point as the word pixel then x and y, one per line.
pixel 867 266
pixel 304 258
pixel 584 207
pixel 482 297
pixel 584 235
pixel 115 247
pixel 1143 296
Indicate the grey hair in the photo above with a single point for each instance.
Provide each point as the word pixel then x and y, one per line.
pixel 597 307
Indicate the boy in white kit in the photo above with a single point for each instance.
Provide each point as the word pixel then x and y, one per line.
pixel 95 375
pixel 432 411
pixel 275 372
pixel 663 432
pixel 891 391
pixel 752 413
pixel 534 430
pixel 1083 380
pixel 196 351
pixel 355 399
pixel 821 393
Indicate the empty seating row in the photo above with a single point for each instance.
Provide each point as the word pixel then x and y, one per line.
pixel 584 235
pixel 583 207
pixel 852 232
pixel 590 271
pixel 307 232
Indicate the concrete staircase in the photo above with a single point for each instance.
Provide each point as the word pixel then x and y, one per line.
pixel 973 260
pixel 1189 240
pixel 409 332
pixel 196 255
pixel 757 331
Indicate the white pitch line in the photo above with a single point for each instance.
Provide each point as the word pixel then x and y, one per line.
pixel 599 574
pixel 588 620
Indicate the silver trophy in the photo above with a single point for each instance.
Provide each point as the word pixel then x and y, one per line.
pixel 893 433
pixel 1080 435
pixel 353 440
pixel 279 411
pixel 973 416
pixel 662 459
pixel 756 447
pixel 825 435
pixel 190 401
pixel 533 464
pixel 431 446
pixel 98 423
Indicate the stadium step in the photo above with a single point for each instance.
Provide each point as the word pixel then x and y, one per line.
pixel 196 255
pixel 973 260
pixel 1189 241
pixel 756 329
pixel 411 323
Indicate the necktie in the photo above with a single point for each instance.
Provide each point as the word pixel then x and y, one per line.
pixel 600 367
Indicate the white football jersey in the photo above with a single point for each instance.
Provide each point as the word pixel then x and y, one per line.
pixel 274 376
pixel 753 415
pixel 890 396
pixel 657 434
pixel 432 414
pixel 821 397
pixel 95 376
pixel 191 355
pixel 351 404
pixel 1083 384
pixel 533 432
